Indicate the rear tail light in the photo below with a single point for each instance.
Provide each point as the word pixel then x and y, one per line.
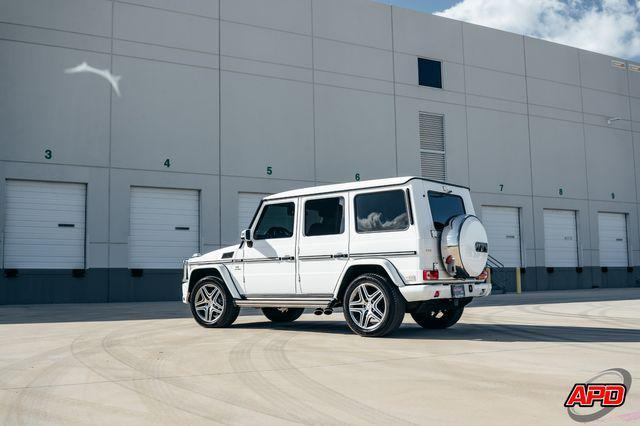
pixel 430 275
pixel 449 260
pixel 483 276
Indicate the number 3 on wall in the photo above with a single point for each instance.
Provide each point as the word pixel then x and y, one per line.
pixel 48 154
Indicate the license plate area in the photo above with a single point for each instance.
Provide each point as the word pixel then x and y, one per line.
pixel 457 291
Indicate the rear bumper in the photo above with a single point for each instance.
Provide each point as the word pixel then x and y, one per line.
pixel 421 292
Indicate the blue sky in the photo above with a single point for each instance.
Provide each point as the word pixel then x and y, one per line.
pixel 611 27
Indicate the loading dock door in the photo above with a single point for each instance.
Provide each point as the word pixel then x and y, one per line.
pixel 44 225
pixel 164 227
pixel 503 231
pixel 248 202
pixel 612 230
pixel 560 238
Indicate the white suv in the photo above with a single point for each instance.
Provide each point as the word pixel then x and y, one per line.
pixel 377 248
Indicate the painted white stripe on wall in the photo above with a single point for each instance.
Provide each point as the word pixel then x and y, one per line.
pixel 163 227
pixel 613 245
pixel 33 237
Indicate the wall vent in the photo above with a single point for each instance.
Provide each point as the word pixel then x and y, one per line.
pixel 432 149
pixel 634 67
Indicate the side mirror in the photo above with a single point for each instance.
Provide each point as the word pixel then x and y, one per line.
pixel 246 235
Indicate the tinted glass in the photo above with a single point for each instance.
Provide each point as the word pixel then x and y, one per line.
pixel 444 207
pixel 381 211
pixel 324 217
pixel 276 222
pixel 429 73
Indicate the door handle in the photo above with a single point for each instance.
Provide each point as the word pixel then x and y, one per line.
pixel 340 256
pixel 287 258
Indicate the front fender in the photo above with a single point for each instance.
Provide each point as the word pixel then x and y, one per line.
pixel 226 276
pixel 389 268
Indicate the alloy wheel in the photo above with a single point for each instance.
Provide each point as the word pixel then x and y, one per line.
pixel 367 306
pixel 209 303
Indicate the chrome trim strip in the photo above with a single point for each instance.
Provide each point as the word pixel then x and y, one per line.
pixel 386 254
pixel 316 257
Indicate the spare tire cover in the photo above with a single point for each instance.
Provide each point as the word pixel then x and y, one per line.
pixel 464 243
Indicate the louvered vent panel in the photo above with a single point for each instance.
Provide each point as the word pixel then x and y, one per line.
pixel 431 132
pixel 432 165
pixel 432 150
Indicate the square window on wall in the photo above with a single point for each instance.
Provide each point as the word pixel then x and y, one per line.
pixel 429 73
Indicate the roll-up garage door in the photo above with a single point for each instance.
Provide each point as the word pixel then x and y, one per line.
pixel 44 225
pixel 248 202
pixel 560 238
pixel 164 227
pixel 612 230
pixel 503 231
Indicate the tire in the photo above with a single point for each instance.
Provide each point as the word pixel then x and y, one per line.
pixel 282 314
pixel 212 305
pixel 438 319
pixel 379 312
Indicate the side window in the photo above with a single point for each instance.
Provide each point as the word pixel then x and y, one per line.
pixel 276 221
pixel 444 207
pixel 324 217
pixel 381 211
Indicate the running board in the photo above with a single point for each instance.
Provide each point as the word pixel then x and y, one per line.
pixel 272 302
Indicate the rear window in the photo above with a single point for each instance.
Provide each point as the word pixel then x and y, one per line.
pixel 444 207
pixel 381 211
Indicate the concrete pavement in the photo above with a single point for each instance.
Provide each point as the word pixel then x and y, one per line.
pixel 512 358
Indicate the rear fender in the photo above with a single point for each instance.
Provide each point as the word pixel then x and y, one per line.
pixel 385 264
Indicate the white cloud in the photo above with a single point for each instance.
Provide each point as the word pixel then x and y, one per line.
pixel 609 26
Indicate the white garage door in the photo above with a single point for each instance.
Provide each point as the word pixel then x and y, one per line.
pixel 44 225
pixel 560 238
pixel 163 227
pixel 248 202
pixel 503 230
pixel 612 229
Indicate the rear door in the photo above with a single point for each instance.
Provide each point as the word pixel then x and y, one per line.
pixel 323 243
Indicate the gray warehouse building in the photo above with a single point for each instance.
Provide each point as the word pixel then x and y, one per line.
pixel 222 102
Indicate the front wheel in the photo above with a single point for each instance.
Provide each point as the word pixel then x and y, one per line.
pixel 212 305
pixel 282 314
pixel 438 318
pixel 372 306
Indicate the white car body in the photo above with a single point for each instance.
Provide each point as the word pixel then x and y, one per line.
pixel 312 271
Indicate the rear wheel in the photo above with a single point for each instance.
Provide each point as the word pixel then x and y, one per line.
pixel 438 318
pixel 372 306
pixel 212 305
pixel 282 314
